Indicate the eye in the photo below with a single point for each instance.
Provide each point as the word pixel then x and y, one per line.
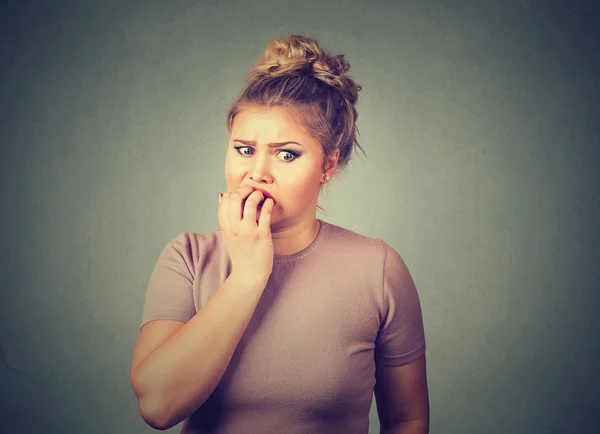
pixel 241 147
pixel 293 154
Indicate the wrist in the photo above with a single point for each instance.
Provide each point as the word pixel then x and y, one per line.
pixel 248 282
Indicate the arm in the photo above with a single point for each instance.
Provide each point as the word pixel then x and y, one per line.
pixel 167 356
pixel 402 398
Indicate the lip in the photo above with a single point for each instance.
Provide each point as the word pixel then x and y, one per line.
pixel 264 192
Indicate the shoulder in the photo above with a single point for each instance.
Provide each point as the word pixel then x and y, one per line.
pixel 358 246
pixel 373 253
pixel 192 246
pixel 195 239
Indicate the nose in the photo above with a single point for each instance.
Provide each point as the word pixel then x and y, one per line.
pixel 260 170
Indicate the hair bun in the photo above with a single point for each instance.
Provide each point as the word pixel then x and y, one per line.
pixel 302 55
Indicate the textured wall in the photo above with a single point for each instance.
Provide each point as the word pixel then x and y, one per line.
pixel 480 122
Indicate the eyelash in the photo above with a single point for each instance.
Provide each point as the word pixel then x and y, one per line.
pixel 289 151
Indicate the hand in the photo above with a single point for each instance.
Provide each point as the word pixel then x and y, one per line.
pixel 249 245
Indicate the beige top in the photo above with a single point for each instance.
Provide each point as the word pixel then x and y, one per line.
pixel 306 363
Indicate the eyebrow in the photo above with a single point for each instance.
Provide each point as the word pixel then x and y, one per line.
pixel 271 145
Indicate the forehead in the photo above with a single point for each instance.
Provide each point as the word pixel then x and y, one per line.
pixel 267 124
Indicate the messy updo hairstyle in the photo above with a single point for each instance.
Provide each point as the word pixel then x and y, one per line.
pixel 311 85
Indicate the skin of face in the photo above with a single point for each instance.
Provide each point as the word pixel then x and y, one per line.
pixel 290 173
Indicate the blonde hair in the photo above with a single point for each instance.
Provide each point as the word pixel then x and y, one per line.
pixel 297 75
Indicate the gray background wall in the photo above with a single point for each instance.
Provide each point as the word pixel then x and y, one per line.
pixel 480 122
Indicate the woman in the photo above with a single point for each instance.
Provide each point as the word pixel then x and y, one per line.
pixel 279 322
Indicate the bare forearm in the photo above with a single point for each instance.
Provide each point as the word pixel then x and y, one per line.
pixel 178 377
pixel 410 427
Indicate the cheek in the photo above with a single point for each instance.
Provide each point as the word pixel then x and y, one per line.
pixel 303 190
pixel 230 163
pixel 232 172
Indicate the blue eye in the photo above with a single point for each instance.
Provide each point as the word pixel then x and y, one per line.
pixel 289 151
pixel 294 155
pixel 240 147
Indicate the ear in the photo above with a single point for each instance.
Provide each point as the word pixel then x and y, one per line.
pixel 331 164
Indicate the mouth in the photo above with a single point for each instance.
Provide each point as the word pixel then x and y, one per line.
pixel 265 193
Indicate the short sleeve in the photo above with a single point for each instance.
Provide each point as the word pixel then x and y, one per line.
pixel 170 289
pixel 401 337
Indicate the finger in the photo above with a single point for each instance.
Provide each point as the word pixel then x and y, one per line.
pixel 219 208
pixel 240 196
pixel 235 209
pixel 244 191
pixel 251 207
pixel 264 221
pixel 226 211
pixel 221 212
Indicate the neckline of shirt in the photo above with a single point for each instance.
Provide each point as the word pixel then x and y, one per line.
pixel 308 249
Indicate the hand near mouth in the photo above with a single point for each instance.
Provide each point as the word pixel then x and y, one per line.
pixel 246 229
pixel 266 195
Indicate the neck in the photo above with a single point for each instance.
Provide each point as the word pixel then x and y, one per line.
pixel 294 238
